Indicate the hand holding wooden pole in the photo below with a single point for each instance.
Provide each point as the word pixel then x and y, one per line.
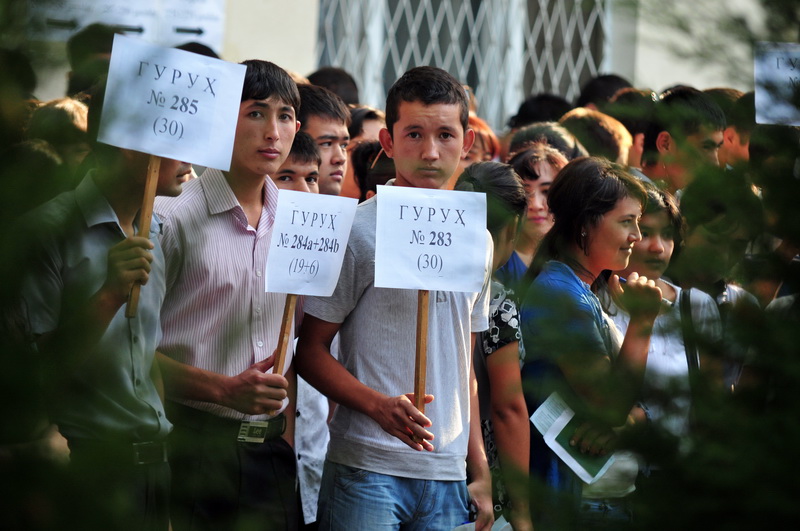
pixel 145 215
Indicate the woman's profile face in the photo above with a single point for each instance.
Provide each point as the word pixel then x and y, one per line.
pixel 538 219
pixel 652 253
pixel 610 242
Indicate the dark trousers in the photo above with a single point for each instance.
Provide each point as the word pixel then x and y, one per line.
pixel 114 491
pixel 221 484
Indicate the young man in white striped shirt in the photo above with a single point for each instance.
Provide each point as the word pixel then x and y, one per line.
pixel 233 466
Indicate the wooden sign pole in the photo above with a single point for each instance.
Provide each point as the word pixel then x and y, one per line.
pixel 421 367
pixel 283 339
pixel 145 215
pixel 286 329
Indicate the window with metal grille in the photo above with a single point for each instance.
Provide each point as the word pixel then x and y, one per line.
pixel 506 50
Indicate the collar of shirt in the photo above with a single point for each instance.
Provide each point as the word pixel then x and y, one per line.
pixel 97 211
pixel 220 198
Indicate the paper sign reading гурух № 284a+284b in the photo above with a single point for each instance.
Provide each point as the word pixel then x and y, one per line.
pixel 309 239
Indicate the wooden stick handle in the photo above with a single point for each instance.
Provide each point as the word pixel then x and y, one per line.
pixel 421 366
pixel 286 329
pixel 145 214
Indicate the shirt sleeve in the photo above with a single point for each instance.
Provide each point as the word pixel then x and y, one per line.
pixel 480 311
pixel 557 322
pixel 349 289
pixel 42 289
pixel 503 324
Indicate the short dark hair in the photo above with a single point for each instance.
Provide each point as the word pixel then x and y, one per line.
pixel 304 149
pixel 263 80
pixel 685 110
pixel 524 161
pixel 540 108
pixel 338 81
pixel 59 122
pixel 92 40
pixel 428 85
pixel 319 101
pixel 682 112
pixel 742 114
pixel 725 97
pixel 505 195
pixel 602 135
pixel 550 133
pixel 198 48
pixel 360 114
pixel 371 167
pixel 600 89
pixel 632 107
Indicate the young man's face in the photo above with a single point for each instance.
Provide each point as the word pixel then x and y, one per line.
pixel 297 175
pixel 171 176
pixel 264 135
pixel 171 173
pixel 332 138
pixel 684 156
pixel 427 143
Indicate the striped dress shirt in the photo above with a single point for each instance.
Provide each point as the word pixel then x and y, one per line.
pixel 216 314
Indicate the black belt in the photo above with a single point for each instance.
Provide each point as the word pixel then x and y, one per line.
pixel 225 428
pixel 141 453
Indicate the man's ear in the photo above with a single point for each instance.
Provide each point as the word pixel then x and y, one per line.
pixel 664 142
pixel 370 193
pixel 297 127
pixel 387 143
pixel 469 139
pixel 730 136
pixel 638 141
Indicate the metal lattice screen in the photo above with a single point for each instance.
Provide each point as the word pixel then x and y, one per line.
pixel 505 50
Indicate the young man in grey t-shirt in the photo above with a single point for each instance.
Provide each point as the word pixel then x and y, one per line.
pixel 388 464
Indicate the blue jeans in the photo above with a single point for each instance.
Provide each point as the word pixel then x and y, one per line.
pixel 352 499
pixel 612 514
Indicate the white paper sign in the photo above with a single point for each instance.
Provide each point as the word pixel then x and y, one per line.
pixel 430 239
pixel 171 103
pixel 309 239
pixel 777 71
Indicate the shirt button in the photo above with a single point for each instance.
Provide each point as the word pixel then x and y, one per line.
pixel 160 414
pixel 258 273
pixel 135 339
pixel 260 343
pixel 258 309
pixel 138 382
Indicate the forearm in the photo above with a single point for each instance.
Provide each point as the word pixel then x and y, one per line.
pixel 315 364
pixel 158 379
pixel 480 486
pixel 512 437
pixel 511 424
pixel 629 368
pixel 190 383
pixel 291 407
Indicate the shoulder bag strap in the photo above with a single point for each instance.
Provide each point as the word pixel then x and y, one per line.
pixel 689 336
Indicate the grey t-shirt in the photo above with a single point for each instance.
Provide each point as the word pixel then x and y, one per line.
pixel 377 346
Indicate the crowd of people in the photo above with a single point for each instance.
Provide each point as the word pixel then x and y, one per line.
pixel 637 239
